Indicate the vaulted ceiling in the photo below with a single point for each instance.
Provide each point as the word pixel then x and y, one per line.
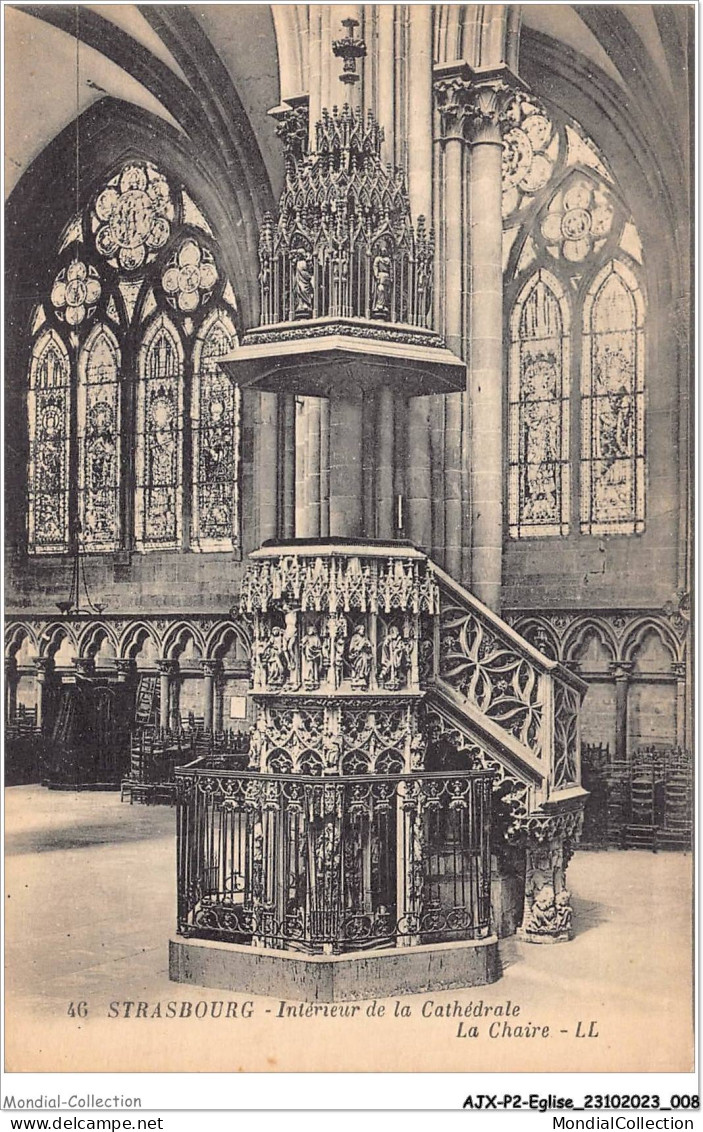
pixel 196 66
pixel 190 86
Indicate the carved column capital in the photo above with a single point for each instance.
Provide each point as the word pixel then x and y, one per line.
pixel 85 665
pixel 44 667
pixel 475 106
pixel 126 669
pixel 621 669
pixel 678 668
pixel 451 99
pixel 211 667
pixel 167 667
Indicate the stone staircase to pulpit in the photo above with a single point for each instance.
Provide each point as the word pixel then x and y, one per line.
pixel 491 692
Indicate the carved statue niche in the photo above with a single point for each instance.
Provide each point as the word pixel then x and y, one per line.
pixel 382 268
pixel 303 288
pixel 290 636
pixel 334 642
pixel 311 657
pixel 395 659
pixel 333 748
pixel 418 750
pixel 359 656
pixel 275 658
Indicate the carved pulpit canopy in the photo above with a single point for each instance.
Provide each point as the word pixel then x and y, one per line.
pixel 343 244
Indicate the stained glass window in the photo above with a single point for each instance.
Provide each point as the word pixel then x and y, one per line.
pixel 531 145
pixel 578 219
pixel 49 437
pixel 215 424
pixel 539 475
pixel 136 294
pixel 571 259
pixel 159 450
pixel 99 440
pixel 612 404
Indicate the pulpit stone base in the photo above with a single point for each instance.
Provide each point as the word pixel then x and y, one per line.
pixel 334 978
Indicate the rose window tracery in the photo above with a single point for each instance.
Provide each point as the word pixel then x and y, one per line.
pixel 75 292
pixel 578 220
pixel 530 150
pixel 189 277
pixel 132 217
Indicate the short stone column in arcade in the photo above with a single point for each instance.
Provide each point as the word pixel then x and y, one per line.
pixel 168 674
pixel 44 676
pixel 11 682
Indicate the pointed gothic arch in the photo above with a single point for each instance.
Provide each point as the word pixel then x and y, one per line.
pixel 215 427
pixel 99 439
pixel 159 437
pixel 612 399
pixel 49 422
pixel 539 384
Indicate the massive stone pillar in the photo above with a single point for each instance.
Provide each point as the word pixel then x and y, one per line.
pixel 385 461
pixel 418 523
pixel 485 357
pixel 324 468
pixel 266 483
pixel 679 669
pixel 471 107
pixel 287 468
pixel 313 454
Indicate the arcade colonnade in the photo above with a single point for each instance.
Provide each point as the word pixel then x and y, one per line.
pixel 439 82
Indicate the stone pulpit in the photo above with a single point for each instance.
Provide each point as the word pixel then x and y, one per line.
pixel 395 715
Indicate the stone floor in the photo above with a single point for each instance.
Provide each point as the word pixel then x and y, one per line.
pixel 90 900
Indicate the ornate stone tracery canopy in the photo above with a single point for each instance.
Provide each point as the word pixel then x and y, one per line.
pixel 343 244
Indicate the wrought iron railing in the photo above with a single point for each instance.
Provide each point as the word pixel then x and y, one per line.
pixel 333 864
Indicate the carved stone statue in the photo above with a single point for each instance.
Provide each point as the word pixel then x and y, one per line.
pixel 543 913
pixel 564 912
pixel 311 655
pixel 302 286
pixel 256 744
pixel 332 751
pixel 548 912
pixel 381 296
pixel 261 642
pixel 275 658
pixel 360 654
pixel 394 658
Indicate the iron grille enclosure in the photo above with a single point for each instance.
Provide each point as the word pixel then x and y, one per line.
pixel 326 865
